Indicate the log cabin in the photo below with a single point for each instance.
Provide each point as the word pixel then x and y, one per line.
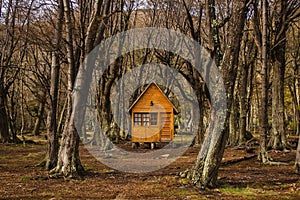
pixel 152 115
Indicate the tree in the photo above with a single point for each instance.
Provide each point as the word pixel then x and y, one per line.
pixel 205 169
pixel 118 22
pixel 293 54
pixel 69 163
pixel 297 163
pixel 14 36
pixel 52 148
pixel 6 55
pixel 263 155
pixel 284 12
pixel 249 54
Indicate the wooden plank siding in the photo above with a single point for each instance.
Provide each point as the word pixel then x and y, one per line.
pixel 152 100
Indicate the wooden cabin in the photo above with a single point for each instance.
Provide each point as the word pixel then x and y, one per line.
pixel 152 115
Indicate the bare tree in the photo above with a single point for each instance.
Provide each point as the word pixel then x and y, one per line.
pixel 263 155
pixel 245 91
pixel 52 148
pixel 205 169
pixel 14 36
pixel 69 163
pixel 297 162
pixel 283 13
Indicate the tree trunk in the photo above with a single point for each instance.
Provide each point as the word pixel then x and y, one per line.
pixel 233 123
pixel 4 131
pixel 104 108
pixel 68 163
pixel 297 162
pixel 243 104
pixel 297 98
pixel 12 114
pixel 38 121
pixel 52 148
pixel 62 117
pixel 278 139
pixel 68 157
pixel 199 138
pixel 107 121
pixel 263 155
pixel 294 90
pixel 200 91
pixel 205 169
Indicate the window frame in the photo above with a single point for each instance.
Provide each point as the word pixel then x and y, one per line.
pixel 154 119
pixel 145 118
pixel 137 119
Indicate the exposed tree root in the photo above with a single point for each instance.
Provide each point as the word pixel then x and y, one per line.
pixel 42 163
pixel 74 174
pixel 193 173
pixel 229 162
pixel 276 163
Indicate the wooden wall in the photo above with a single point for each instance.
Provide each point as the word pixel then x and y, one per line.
pixel 152 133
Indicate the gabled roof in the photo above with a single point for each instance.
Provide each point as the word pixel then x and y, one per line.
pixel 153 83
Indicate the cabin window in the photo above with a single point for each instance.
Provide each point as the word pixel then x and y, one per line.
pixel 137 119
pixel 145 119
pixel 153 118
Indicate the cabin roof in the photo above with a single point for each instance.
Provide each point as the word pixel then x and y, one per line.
pixel 153 83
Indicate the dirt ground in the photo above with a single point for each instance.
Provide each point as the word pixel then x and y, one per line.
pixel 20 178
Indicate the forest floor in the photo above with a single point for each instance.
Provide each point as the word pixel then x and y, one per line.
pixel 20 178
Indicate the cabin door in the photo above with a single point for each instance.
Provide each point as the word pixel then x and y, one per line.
pixel 166 129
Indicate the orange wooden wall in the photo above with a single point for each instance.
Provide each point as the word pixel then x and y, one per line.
pixel 161 104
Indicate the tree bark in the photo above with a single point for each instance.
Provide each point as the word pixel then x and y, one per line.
pixel 233 122
pixel 62 117
pixel 69 163
pixel 278 136
pixel 294 89
pixel 52 148
pixel 41 111
pixel 205 169
pixel 6 53
pixel 263 155
pixel 104 107
pixel 4 131
pixel 297 88
pixel 297 162
pixel 243 104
